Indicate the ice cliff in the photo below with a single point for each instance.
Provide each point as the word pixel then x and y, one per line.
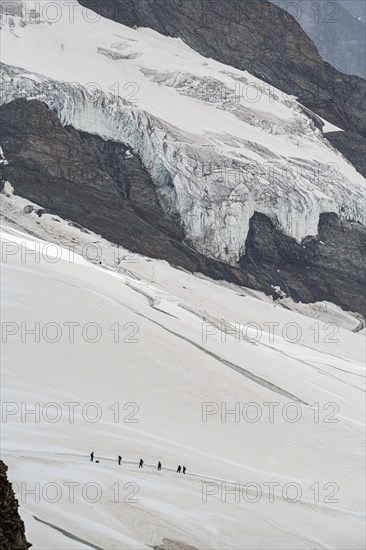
pixel 219 143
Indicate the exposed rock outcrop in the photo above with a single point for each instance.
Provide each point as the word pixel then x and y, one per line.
pixel 264 39
pixel 256 36
pixel 12 534
pixel 352 146
pixel 168 544
pixel 328 266
pixel 97 184
pixel 103 186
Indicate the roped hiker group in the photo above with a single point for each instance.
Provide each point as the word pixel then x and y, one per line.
pixel 180 469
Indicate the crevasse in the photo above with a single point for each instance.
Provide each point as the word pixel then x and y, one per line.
pixel 214 190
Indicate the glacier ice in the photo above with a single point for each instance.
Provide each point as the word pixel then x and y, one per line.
pixel 215 156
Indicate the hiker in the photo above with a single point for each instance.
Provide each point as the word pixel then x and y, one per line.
pixel 92 456
pixel 119 459
pixel 179 469
pixel 159 466
pixel 184 469
pixel 141 464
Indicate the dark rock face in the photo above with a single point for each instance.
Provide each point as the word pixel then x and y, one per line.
pixel 352 146
pixel 101 186
pixel 260 37
pixel 93 182
pixel 12 534
pixel 256 36
pixel 169 544
pixel 326 267
pixel 96 184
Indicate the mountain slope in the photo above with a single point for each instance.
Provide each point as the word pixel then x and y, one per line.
pixel 102 186
pixel 212 170
pixel 258 37
pixel 178 236
pixel 339 37
pixel 263 39
pixel 356 8
pixel 159 363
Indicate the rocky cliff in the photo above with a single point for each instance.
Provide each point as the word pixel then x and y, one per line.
pixel 12 535
pixel 352 146
pixel 96 183
pixel 256 36
pixel 187 168
pixel 102 186
pixel 260 37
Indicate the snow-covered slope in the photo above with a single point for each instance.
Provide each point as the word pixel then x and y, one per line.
pixel 171 347
pixel 112 352
pixel 219 143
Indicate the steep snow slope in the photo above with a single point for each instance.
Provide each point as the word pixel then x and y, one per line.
pixel 219 143
pixel 171 359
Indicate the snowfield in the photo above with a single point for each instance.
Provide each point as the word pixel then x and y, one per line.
pixel 219 143
pixel 156 363
pixel 106 351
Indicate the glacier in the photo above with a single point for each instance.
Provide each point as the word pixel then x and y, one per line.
pixel 94 335
pixel 245 147
pixel 171 372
